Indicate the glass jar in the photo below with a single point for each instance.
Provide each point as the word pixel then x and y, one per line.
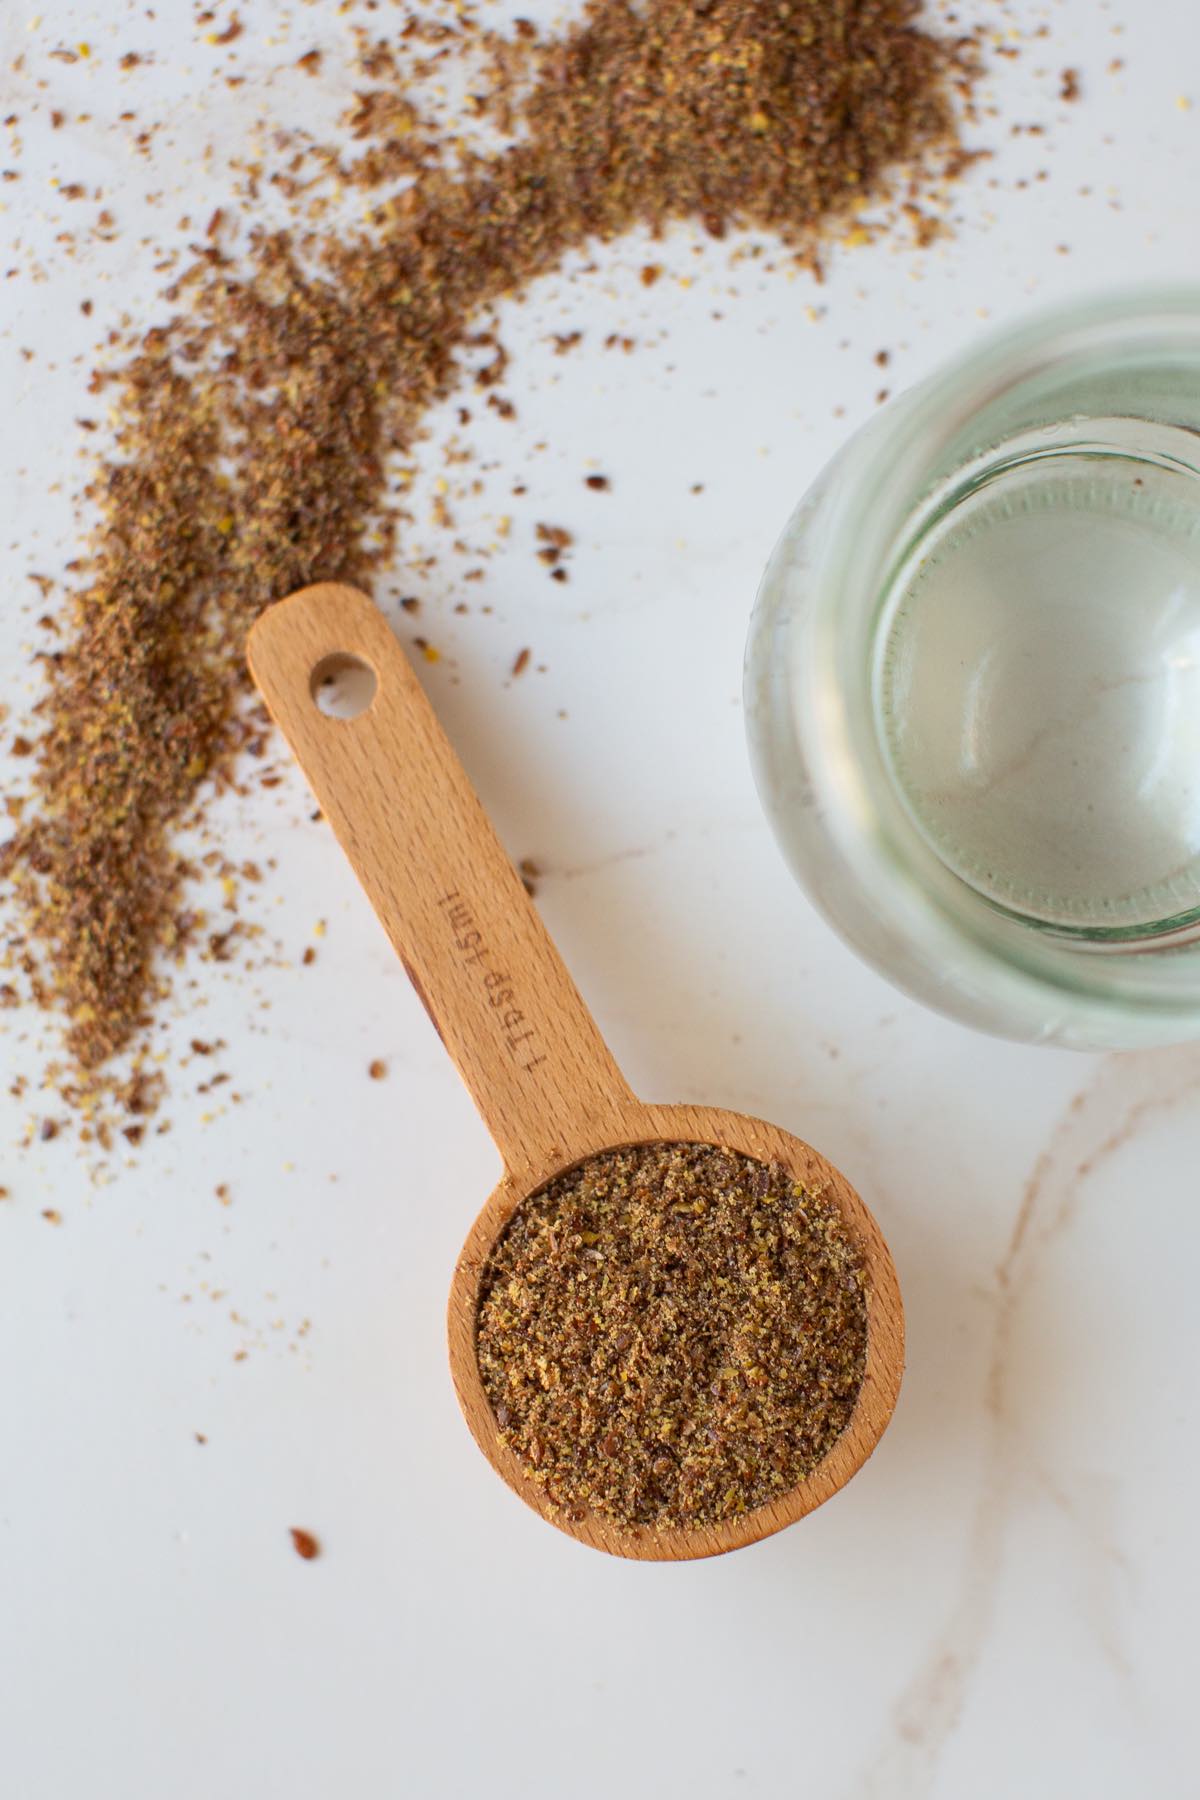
pixel 973 681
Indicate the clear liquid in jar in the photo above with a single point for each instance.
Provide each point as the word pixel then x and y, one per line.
pixel 1038 691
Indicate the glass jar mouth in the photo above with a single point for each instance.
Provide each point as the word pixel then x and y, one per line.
pixel 873 507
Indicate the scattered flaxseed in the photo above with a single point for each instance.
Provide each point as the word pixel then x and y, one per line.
pixel 600 484
pixel 521 661
pixel 377 1069
pixel 530 873
pixel 231 32
pixel 304 1543
pixel 256 429
pixel 672 1334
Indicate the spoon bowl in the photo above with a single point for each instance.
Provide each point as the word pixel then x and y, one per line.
pixel 507 1011
pixel 636 1123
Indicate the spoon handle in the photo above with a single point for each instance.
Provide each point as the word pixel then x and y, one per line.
pixel 433 868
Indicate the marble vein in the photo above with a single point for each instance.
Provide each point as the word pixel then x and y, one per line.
pixel 1126 1095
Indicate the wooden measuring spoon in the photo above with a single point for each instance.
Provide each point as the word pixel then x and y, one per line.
pixel 507 1011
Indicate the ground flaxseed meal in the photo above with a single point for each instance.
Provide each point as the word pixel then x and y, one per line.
pixel 255 429
pixel 672 1334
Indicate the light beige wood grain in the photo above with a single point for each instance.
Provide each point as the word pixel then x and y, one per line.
pixel 513 1021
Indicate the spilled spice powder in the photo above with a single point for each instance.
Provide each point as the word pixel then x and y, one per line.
pixel 255 429
pixel 672 1334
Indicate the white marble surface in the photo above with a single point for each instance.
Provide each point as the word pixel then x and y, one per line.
pixel 1002 1603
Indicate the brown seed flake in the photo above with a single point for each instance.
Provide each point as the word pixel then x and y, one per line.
pixel 672 1334
pixel 256 430
pixel 304 1543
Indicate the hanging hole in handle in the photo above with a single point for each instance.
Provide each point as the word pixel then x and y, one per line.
pixel 343 686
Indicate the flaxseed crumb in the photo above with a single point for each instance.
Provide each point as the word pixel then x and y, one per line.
pixel 258 429
pixel 672 1334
